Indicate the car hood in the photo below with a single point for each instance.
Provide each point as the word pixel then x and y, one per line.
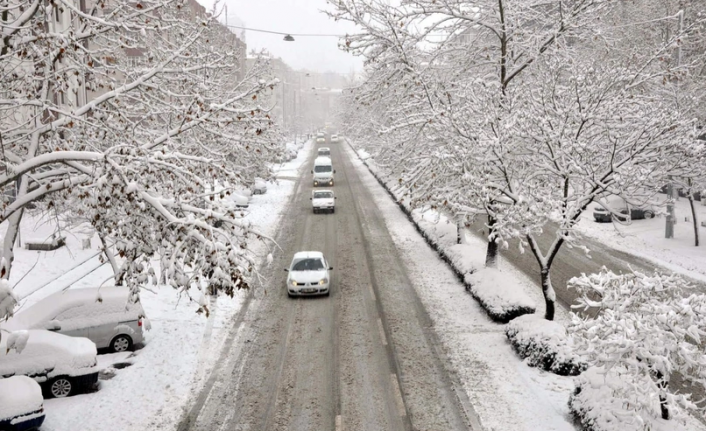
pixel 323 174
pixel 307 276
pixel 322 202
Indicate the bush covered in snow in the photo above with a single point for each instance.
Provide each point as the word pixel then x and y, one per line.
pixel 645 331
pixel 544 344
pixel 502 299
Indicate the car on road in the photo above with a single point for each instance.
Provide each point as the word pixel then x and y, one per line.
pixel 320 137
pixel 103 315
pixel 21 404
pixel 615 207
pixel 324 151
pixel 323 172
pixel 62 365
pixel 323 200
pixel 334 138
pixel 259 187
pixel 308 274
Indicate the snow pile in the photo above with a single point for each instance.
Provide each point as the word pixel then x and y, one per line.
pixel 8 300
pixel 544 344
pixel 19 395
pixel 47 355
pixel 502 298
pixel 609 400
pixel 17 341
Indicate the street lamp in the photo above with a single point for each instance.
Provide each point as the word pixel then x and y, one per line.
pixel 289 38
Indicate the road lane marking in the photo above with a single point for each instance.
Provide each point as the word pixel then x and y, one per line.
pixel 372 292
pixel 382 333
pixel 339 423
pixel 398 395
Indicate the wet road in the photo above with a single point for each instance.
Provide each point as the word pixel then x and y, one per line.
pixel 365 358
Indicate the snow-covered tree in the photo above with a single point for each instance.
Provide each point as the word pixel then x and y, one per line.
pixel 126 113
pixel 646 329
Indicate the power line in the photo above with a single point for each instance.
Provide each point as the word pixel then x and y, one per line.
pixel 285 34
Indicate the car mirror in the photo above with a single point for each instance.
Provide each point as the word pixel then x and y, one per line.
pixel 286 269
pixel 334 171
pixel 311 199
pixel 52 325
pixel 336 197
pixel 330 267
pixel 312 171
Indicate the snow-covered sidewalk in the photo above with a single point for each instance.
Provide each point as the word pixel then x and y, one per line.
pixel 153 391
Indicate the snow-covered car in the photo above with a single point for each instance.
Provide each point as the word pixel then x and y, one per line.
pixel 308 274
pixel 21 404
pixel 615 207
pixel 323 151
pixel 334 138
pixel 259 187
pixel 62 365
pixel 103 315
pixel 323 200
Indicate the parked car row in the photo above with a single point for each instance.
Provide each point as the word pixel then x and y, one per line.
pixel 50 348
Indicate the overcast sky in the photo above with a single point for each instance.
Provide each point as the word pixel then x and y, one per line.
pixel 293 16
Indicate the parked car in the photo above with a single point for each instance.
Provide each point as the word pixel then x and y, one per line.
pixel 62 365
pixel 323 172
pixel 308 274
pixel 259 187
pixel 21 404
pixel 104 316
pixel 324 151
pixel 619 209
pixel 323 200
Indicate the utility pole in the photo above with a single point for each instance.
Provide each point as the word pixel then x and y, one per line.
pixel 671 216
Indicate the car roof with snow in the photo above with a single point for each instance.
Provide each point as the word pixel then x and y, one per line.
pixel 19 395
pixel 95 303
pixel 308 255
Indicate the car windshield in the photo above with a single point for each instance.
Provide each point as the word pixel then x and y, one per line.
pixel 322 168
pixel 308 265
pixel 322 195
pixel 326 152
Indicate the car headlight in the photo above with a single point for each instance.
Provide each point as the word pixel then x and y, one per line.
pixel 294 283
pixel 323 281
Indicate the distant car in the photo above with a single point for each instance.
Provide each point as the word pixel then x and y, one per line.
pixel 320 137
pixel 324 151
pixel 334 138
pixel 308 274
pixel 103 315
pixel 21 404
pixel 62 365
pixel 323 200
pixel 619 209
pixel 259 187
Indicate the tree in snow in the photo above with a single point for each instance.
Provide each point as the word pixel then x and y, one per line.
pixel 126 114
pixel 647 328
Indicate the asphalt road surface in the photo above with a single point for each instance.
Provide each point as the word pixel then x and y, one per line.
pixel 365 358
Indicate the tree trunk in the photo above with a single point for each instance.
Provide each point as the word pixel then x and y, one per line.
pixel 548 291
pixel 491 254
pixel 13 228
pixel 663 407
pixel 460 233
pixel 113 263
pixel 695 219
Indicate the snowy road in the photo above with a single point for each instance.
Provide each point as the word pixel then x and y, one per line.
pixel 364 358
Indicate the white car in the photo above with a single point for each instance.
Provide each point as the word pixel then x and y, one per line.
pixel 320 137
pixel 259 187
pixel 334 138
pixel 62 365
pixel 324 151
pixel 323 200
pixel 308 274
pixel 21 404
pixel 103 315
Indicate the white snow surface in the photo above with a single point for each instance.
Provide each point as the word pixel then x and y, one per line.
pixel 182 346
pixel 645 238
pixel 505 393
pixel 19 395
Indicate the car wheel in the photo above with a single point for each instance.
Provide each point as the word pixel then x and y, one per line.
pixel 61 387
pixel 333 210
pixel 649 214
pixel 121 343
pixel 328 292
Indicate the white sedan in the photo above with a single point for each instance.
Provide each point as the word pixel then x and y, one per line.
pixel 308 274
pixel 323 200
